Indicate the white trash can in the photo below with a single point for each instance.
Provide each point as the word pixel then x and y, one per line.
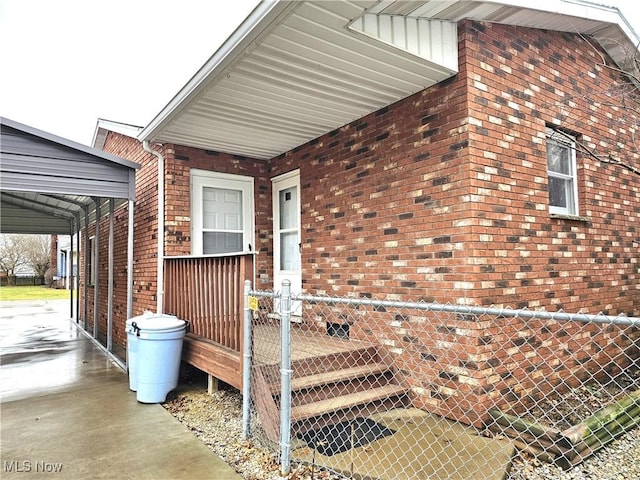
pixel 132 349
pixel 158 342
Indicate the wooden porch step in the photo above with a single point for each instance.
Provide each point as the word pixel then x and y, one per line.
pixel 355 355
pixel 322 407
pixel 334 376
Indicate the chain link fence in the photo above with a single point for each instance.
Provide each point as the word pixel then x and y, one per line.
pixel 378 389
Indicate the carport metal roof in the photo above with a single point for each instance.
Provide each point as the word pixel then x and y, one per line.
pixel 47 183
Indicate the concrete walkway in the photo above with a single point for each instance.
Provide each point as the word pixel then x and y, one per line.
pixel 67 412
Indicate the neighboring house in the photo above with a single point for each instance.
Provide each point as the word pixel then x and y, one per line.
pixel 405 150
pixel 25 271
pixel 66 265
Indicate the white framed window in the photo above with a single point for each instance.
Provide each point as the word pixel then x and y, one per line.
pixel 221 213
pixel 562 173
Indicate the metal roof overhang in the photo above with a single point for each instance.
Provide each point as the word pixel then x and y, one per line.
pixel 293 71
pixel 47 183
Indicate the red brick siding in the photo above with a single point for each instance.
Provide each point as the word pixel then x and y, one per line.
pixel 519 82
pixel 119 278
pixel 82 261
pixel 380 199
pixel 53 254
pixel 145 247
pixel 517 78
pixel 442 196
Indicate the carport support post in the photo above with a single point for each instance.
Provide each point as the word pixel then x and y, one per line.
pixel 285 376
pixel 76 279
pixel 246 363
pixel 110 281
pixel 130 262
pixel 87 263
pixel 96 255
pixel 67 268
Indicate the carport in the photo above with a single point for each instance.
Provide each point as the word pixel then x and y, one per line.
pixel 65 410
pixel 51 185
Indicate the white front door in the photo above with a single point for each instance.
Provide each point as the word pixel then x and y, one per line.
pixel 286 234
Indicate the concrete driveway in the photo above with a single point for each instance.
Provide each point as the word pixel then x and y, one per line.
pixel 67 411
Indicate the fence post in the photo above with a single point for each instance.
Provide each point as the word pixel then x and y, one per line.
pixel 246 364
pixel 285 376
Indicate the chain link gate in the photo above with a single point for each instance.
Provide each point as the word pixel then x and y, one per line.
pixel 383 389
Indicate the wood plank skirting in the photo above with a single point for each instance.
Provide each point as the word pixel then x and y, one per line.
pixel 208 292
pixel 221 362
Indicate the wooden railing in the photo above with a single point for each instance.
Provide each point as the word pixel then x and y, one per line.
pixel 208 292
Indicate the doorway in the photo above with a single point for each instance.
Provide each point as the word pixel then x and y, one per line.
pixel 287 246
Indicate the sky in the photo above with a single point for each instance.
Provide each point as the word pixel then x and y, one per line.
pixel 66 63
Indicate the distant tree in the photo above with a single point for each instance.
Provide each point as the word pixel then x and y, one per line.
pixel 12 255
pixel 31 251
pixel 37 253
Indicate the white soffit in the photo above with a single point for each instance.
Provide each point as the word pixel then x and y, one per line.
pixel 296 70
pixel 305 74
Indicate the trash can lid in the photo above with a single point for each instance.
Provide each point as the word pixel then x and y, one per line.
pixel 159 322
pixel 146 314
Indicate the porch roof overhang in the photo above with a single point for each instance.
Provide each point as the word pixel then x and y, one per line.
pixel 293 71
pixel 48 182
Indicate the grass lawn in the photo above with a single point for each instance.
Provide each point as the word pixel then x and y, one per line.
pixel 33 293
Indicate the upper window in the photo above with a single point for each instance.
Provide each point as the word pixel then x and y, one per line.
pixel 221 213
pixel 561 171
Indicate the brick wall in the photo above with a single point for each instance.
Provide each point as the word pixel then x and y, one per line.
pixel 442 196
pixel 380 199
pixel 119 278
pixel 53 254
pixel 521 80
pixel 445 191
pixel 145 246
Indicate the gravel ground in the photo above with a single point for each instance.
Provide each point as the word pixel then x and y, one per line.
pixel 217 420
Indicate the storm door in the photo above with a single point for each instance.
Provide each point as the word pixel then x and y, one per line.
pixel 286 233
